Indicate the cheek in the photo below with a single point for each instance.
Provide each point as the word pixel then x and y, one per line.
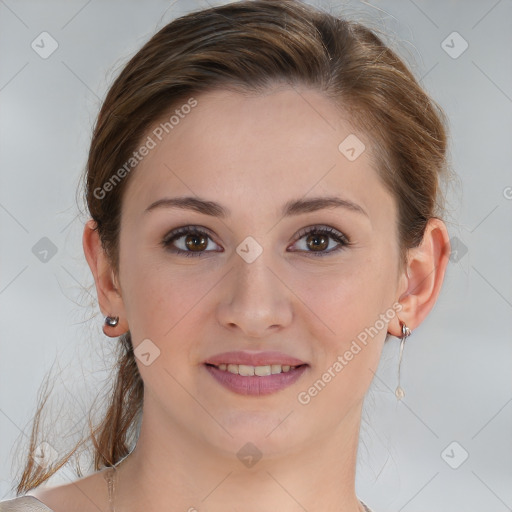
pixel 345 298
pixel 348 333
pixel 161 301
pixel 164 306
pixel 347 327
pixel 167 300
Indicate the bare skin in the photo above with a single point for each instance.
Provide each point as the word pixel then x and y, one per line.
pixel 252 154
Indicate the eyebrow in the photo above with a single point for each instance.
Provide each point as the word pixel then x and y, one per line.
pixel 293 207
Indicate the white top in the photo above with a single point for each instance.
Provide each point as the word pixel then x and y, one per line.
pixel 32 504
pixel 24 504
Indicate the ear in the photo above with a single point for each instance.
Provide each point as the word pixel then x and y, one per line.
pixel 426 266
pixel 108 291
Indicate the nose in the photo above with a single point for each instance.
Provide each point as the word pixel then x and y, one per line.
pixel 254 299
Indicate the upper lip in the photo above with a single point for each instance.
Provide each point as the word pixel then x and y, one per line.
pixel 254 358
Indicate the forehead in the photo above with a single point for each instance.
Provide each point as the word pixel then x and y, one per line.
pixel 247 149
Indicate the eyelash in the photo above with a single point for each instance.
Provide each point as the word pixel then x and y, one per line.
pixel 194 230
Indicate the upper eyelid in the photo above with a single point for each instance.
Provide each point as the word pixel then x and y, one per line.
pixel 331 231
pixel 184 230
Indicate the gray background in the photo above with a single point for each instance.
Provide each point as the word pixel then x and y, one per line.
pixel 456 366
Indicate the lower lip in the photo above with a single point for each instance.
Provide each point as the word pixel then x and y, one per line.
pixel 256 385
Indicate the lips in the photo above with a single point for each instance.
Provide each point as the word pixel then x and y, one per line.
pixel 255 386
pixel 254 359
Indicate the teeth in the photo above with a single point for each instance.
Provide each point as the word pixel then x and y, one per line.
pixel 246 370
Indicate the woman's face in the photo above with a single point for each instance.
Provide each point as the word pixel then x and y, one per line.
pixel 254 281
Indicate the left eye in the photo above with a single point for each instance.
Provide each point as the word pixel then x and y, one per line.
pixel 196 243
pixel 318 238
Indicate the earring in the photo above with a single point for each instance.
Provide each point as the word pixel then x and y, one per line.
pixel 111 321
pixel 399 392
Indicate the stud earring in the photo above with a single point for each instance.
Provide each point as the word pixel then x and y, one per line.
pixel 399 392
pixel 111 321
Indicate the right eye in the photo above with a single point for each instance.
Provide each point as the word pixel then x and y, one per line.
pixel 194 243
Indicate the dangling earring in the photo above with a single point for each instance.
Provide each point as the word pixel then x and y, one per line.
pixel 399 392
pixel 111 321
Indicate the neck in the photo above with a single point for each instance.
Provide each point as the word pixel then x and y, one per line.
pixel 171 465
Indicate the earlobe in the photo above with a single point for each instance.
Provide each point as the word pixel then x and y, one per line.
pixel 426 268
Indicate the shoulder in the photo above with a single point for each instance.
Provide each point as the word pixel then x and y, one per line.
pixel 24 504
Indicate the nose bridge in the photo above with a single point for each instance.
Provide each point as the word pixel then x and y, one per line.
pixel 254 280
pixel 253 275
pixel 252 259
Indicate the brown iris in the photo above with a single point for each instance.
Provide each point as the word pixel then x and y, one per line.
pixel 192 241
pixel 316 244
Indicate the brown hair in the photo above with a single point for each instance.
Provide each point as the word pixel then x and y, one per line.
pixel 248 46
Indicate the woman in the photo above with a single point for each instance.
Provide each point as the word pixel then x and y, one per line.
pixel 264 190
